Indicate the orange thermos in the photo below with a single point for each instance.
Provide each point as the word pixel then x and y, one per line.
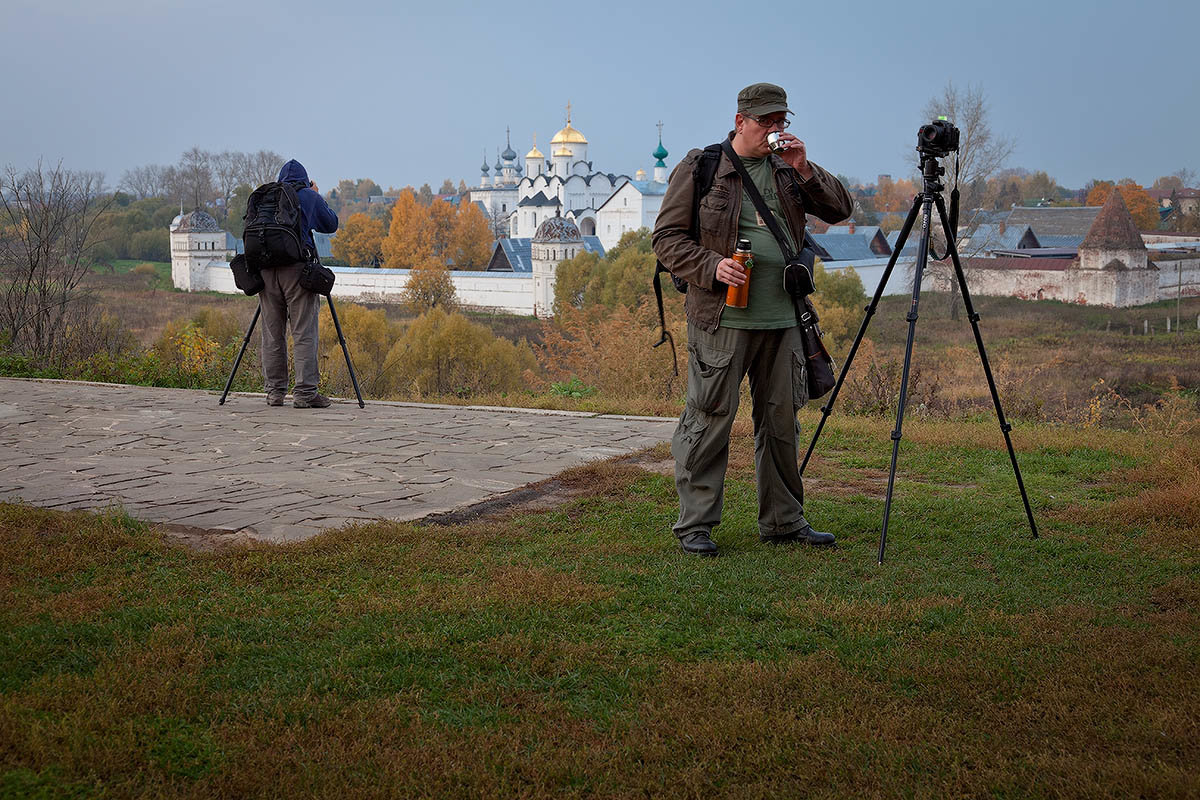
pixel 739 296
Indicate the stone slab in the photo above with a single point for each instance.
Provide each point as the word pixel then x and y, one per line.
pixel 174 456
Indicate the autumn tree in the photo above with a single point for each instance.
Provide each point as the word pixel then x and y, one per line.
pixel 447 187
pixel 443 216
pixel 359 241
pixel 894 196
pixel 410 237
pixel 620 279
pixel 425 194
pixel 429 286
pixel 1167 183
pixel 471 239
pixel 1141 206
pixel 366 189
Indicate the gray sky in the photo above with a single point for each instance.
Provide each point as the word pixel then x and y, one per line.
pixel 407 93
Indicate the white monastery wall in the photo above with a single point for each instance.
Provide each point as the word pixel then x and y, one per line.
pixel 504 291
pixel 1178 276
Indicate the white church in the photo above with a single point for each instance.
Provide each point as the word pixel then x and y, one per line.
pixel 601 204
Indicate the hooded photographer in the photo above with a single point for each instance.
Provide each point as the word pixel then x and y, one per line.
pixel 284 300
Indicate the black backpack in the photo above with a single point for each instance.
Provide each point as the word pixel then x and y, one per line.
pixel 703 172
pixel 274 234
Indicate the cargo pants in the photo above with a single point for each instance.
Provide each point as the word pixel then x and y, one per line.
pixel 717 362
pixel 285 302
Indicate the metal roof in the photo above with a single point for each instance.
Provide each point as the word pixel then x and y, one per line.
pixel 844 246
pixel 1037 252
pixel 1051 240
pixel 516 255
pixel 1055 220
pixel 539 199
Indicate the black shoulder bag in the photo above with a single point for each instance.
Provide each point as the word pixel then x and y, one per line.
pixel 798 282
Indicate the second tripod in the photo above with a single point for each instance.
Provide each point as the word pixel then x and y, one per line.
pixel 930 196
pixel 246 342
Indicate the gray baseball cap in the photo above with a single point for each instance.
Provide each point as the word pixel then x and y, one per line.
pixel 758 99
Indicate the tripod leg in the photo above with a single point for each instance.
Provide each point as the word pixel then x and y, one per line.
pixel 827 409
pixel 897 432
pixel 237 361
pixel 973 316
pixel 345 351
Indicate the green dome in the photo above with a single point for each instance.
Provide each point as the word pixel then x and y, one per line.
pixel 661 152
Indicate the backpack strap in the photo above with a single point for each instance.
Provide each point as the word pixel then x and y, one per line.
pixel 703 173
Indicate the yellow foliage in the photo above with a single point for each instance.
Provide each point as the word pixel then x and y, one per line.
pixel 410 238
pixel 359 241
pixel 1141 206
pixel 369 336
pixel 184 345
pixel 471 244
pixel 459 236
pixel 219 324
pixel 447 354
pixel 612 351
pixel 429 286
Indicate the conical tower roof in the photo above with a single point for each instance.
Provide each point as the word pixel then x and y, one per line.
pixel 1113 228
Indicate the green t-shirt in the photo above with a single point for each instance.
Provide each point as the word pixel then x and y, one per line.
pixel 769 305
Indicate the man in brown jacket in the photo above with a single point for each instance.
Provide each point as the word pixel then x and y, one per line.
pixel 763 339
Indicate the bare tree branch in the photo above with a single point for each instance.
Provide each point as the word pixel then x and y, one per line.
pixel 48 223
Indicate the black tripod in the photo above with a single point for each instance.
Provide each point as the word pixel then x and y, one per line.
pixel 930 195
pixel 246 341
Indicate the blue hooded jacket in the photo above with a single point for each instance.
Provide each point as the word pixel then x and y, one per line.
pixel 318 215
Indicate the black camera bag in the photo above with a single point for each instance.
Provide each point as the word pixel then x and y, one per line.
pixel 246 277
pixel 316 277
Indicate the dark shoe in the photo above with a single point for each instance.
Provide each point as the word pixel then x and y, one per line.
pixel 316 401
pixel 805 535
pixel 698 544
pixel 274 399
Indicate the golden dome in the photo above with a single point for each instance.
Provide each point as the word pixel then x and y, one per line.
pixel 569 135
pixel 534 153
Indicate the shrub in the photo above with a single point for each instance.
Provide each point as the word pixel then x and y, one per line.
pixel 219 324
pixel 370 336
pixel 611 350
pixel 446 354
pixel 429 287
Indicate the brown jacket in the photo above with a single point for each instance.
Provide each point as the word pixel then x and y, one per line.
pixel 696 263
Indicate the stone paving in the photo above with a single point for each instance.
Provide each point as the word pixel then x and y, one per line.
pixel 277 473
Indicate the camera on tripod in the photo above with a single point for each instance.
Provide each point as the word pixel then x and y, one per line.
pixel 939 138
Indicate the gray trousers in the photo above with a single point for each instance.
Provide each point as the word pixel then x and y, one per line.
pixel 283 301
pixel 717 362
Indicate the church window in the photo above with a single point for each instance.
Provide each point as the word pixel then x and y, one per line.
pixel 504 206
pixel 626 199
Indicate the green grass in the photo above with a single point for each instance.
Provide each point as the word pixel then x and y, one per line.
pixel 576 652
pixel 122 266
